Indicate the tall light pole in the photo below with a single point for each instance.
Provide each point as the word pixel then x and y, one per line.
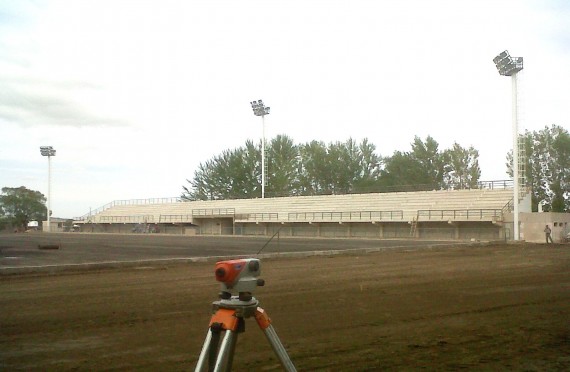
pixel 259 109
pixel 510 66
pixel 48 151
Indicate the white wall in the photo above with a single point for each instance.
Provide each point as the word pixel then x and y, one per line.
pixel 532 226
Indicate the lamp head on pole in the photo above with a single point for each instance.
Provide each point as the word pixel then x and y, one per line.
pixel 259 108
pixel 47 151
pixel 507 65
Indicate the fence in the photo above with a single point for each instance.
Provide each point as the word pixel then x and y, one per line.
pixel 213 212
pixel 346 216
pixel 114 203
pixel 500 184
pixel 388 232
pixel 175 218
pixel 460 214
pixel 128 219
pixel 270 216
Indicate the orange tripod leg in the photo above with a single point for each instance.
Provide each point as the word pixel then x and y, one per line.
pixel 220 360
pixel 264 322
pixel 226 318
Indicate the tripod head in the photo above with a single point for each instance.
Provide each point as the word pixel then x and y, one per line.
pixel 240 276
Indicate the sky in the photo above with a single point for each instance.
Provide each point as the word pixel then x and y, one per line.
pixel 135 95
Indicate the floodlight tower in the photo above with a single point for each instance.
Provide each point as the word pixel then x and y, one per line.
pixel 510 66
pixel 48 151
pixel 259 109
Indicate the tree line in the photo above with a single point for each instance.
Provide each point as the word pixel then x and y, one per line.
pixel 547 167
pixel 20 205
pixel 316 168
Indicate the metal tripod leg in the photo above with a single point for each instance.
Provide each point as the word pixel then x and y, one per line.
pixel 226 353
pixel 213 352
pixel 220 360
pixel 264 323
pixel 209 350
pixel 230 319
pixel 205 350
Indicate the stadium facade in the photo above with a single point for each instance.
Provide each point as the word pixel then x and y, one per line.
pixel 473 214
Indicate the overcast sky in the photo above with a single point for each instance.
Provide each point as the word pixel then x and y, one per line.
pixel 134 95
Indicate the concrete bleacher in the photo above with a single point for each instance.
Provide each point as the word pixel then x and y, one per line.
pixel 398 206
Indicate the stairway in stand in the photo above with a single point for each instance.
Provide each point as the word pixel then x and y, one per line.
pixel 413 227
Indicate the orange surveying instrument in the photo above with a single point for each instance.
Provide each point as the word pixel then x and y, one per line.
pixel 229 314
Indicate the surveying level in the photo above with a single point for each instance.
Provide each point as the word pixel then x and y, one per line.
pixel 238 276
pixel 229 314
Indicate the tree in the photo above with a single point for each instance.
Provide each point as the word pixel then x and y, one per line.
pixel 337 168
pixel 237 175
pixel 547 167
pixel 369 165
pixel 560 171
pixel 315 168
pixel 19 205
pixel 397 171
pixel 344 164
pixel 430 160
pixel 420 169
pixel 314 178
pixel 231 175
pixel 461 167
pixel 283 165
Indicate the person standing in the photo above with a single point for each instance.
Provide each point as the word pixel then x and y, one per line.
pixel 547 233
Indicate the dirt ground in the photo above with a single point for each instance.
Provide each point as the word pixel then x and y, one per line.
pixel 498 307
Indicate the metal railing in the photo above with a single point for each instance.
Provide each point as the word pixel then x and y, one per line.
pixel 213 212
pixel 127 219
pixel 175 218
pixel 263 216
pixel 346 216
pixel 499 184
pixel 492 185
pixel 460 214
pixel 115 203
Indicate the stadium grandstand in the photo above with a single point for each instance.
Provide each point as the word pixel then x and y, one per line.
pixel 481 213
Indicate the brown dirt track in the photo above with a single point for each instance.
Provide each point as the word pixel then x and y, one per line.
pixel 490 307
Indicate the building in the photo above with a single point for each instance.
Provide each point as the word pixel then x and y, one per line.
pixel 473 214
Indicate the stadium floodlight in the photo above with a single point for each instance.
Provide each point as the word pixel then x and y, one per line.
pixel 510 66
pixel 48 151
pixel 507 65
pixel 259 109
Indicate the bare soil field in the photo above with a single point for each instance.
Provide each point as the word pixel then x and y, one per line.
pixel 494 307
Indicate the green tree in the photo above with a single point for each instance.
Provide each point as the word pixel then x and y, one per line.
pixel 315 168
pixel 369 164
pixel 337 168
pixel 461 167
pixel 200 186
pixel 283 164
pixel 560 172
pixel 430 160
pixel 420 169
pixel 547 167
pixel 19 205
pixel 231 175
pixel 344 164
pixel 399 172
pixel 314 179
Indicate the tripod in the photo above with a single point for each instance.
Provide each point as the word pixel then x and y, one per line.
pixel 229 317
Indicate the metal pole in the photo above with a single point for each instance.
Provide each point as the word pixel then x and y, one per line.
pixel 515 160
pixel 263 157
pixel 225 354
pixel 49 195
pixel 279 349
pixel 201 365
